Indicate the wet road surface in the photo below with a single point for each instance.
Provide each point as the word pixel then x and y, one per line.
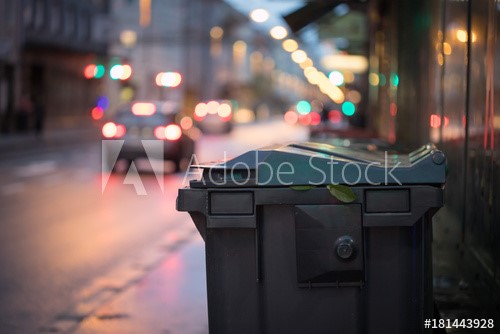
pixel 65 246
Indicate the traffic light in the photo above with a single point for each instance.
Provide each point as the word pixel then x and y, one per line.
pixel 120 72
pixel 94 71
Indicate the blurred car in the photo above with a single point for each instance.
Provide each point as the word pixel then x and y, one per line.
pixel 214 116
pixel 149 120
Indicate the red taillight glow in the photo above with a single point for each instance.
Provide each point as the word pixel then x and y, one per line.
pixel 335 116
pixel 224 110
pixel 120 131
pixel 109 130
pixel 305 119
pixel 291 117
pixel 160 132
pixel 169 132
pixel 213 107
pixel 200 111
pixel 112 130
pixel 435 121
pixel 315 118
pixel 173 132
pixel 143 109
pixel 186 122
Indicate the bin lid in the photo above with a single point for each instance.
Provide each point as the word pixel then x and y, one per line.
pixel 314 164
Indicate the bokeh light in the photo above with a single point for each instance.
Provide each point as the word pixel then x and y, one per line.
pixel 336 78
pixel 213 107
pixel 128 38
pixel 244 115
pixel 103 102
pixel 335 116
pixel 315 118
pixel 216 32
pixel 373 79
pixel 305 119
pixel 186 122
pixel 290 45
pixel 259 15
pixel 224 110
pixel 168 79
pixel 109 130
pixel 299 56
pixel 99 71
pixel 97 113
pixel 278 32
pixel 291 117
pixel 303 107
pixel 348 108
pixel 200 110
pixel 89 71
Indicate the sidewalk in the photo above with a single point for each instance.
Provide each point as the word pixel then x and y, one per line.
pixel 56 135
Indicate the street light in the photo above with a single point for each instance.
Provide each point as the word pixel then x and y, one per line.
pixel 278 32
pixel 259 15
pixel 299 56
pixel 168 79
pixel 120 72
pixel 290 45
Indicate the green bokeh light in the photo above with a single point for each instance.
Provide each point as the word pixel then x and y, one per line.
pixel 348 108
pixel 395 80
pixel 303 107
pixel 99 71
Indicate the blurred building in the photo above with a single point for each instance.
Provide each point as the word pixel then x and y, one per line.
pixel 215 48
pixel 44 48
pixel 9 56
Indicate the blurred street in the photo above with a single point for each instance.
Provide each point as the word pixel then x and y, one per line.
pixel 104 104
pixel 70 253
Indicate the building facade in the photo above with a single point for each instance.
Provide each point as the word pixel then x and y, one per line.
pixel 49 43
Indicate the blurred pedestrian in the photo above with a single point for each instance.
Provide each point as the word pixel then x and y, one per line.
pixel 23 113
pixel 39 113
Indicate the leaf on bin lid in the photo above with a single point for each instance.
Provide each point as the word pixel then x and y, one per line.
pixel 302 187
pixel 342 193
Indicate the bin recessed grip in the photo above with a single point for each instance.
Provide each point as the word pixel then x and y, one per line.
pixel 231 203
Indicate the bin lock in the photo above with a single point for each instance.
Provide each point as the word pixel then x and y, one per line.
pixel 329 245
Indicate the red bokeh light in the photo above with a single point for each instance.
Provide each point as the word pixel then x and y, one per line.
pixel 315 118
pixel 97 113
pixel 89 71
pixel 335 116
pixel 291 117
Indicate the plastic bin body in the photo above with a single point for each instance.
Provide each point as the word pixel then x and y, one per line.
pixel 274 264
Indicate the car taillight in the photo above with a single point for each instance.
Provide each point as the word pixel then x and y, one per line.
pixel 227 118
pixel 169 132
pixel 160 132
pixel 173 132
pixel 200 111
pixel 143 109
pixel 112 130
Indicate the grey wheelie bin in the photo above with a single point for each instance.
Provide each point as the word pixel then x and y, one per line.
pixel 313 238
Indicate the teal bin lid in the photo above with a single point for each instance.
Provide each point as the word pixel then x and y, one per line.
pixel 314 164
